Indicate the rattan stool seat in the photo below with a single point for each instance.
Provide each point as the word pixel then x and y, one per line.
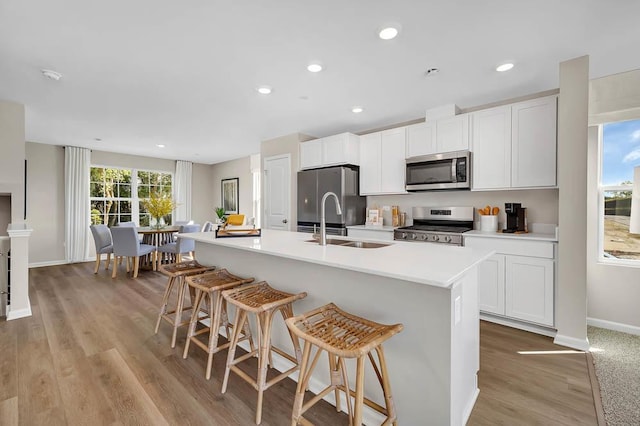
pixel 263 301
pixel 342 335
pixel 209 285
pixel 178 271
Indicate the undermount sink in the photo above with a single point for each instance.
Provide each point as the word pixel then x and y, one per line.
pixel 347 243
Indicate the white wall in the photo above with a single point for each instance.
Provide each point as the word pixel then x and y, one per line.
pixel 5 214
pixel 613 291
pixel 202 201
pixel 541 204
pixel 241 169
pixel 12 147
pixel 45 202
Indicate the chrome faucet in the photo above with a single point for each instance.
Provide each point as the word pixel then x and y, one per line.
pixel 323 225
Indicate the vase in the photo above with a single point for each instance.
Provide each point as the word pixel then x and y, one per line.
pixel 157 223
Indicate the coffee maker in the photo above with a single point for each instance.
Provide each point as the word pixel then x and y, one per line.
pixel 516 218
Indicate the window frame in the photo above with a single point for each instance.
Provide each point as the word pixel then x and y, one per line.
pixel 134 199
pixel 601 191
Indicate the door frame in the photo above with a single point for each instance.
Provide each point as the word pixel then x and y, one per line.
pixel 265 194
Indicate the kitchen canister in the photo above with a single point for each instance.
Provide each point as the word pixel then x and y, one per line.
pixel 489 223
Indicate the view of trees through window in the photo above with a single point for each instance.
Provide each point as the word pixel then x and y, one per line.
pixel 620 159
pixel 116 194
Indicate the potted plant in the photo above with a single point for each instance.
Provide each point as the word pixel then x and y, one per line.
pixel 159 206
pixel 220 213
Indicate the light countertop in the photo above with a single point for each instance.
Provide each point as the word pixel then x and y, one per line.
pixel 385 228
pixel 531 236
pixel 432 264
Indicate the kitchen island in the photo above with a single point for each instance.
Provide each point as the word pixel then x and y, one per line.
pixel 430 288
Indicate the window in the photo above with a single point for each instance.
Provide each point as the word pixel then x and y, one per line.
pixel 620 214
pixel 116 194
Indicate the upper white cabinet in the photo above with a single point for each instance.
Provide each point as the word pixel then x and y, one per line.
pixel 452 134
pixel 382 162
pixel 534 143
pixel 514 146
pixel 421 139
pixel 443 135
pixel 330 151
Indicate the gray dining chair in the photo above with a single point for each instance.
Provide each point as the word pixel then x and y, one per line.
pixel 129 224
pixel 104 244
pixel 126 244
pixel 181 245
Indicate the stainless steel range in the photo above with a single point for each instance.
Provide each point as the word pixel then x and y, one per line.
pixel 443 225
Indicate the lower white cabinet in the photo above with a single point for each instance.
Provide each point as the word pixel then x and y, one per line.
pixel 518 281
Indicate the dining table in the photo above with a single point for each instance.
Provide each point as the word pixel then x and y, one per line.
pixel 156 237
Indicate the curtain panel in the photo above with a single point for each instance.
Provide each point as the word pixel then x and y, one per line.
pixel 77 162
pixel 182 188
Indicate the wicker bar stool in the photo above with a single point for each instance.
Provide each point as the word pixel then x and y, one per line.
pixel 209 286
pixel 177 272
pixel 264 302
pixel 342 335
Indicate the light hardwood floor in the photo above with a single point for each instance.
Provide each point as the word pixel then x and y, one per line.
pixel 88 356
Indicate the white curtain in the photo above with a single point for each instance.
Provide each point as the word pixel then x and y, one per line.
pixel 182 187
pixel 77 162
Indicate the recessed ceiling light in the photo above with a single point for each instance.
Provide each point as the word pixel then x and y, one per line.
pixel 97 139
pixel 388 33
pixel 264 90
pixel 357 109
pixel 504 67
pixel 315 67
pixel 160 145
pixel 431 71
pixel 51 74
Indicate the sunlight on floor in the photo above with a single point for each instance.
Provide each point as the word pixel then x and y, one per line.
pixel 565 352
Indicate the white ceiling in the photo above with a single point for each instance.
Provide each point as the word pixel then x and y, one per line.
pixel 183 73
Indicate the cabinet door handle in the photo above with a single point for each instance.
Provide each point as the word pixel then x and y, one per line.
pixel 284 221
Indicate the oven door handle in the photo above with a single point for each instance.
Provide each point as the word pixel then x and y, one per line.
pixel 454 169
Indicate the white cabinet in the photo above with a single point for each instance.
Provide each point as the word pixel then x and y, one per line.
pixel 371 234
pixel 534 143
pixel 382 162
pixel 421 139
pixel 330 151
pixel 514 146
pixel 491 285
pixel 518 281
pixel 452 134
pixel 529 292
pixel 311 154
pixel 491 145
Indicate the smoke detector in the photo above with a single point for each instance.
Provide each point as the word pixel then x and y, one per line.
pixel 52 75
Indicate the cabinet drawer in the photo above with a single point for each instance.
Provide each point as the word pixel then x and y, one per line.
pixel 541 249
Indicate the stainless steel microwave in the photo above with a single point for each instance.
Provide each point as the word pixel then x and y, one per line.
pixel 448 170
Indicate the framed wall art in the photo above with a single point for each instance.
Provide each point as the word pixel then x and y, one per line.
pixel 230 195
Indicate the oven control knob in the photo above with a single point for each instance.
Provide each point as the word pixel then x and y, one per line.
pixel 403 235
pixel 447 239
pixel 414 236
pixel 435 238
pixel 423 237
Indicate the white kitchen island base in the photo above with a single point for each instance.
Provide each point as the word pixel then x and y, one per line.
pixel 432 363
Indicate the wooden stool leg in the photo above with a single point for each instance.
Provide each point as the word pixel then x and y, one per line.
pixel 300 389
pixel 345 381
pixel 264 325
pixel 215 309
pixel 193 322
pixel 386 387
pixel 165 300
pixel 334 377
pixel 241 316
pixel 357 415
pixel 178 314
pixel 287 312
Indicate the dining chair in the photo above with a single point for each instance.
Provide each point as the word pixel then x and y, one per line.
pixel 104 244
pixel 207 227
pixel 183 222
pixel 126 244
pixel 127 224
pixel 181 245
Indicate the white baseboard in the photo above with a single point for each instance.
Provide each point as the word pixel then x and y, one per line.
pixel 48 263
pixel 572 342
pixel 469 408
pixel 615 326
pixel 280 363
pixel 18 313
pixel 533 328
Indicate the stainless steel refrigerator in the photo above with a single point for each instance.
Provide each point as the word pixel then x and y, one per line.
pixel 313 184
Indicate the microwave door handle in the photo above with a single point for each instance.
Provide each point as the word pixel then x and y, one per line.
pixel 454 169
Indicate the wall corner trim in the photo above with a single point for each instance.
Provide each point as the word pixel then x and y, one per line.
pixel 572 342
pixel 48 263
pixel 19 313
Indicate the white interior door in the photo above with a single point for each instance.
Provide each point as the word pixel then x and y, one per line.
pixel 277 184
